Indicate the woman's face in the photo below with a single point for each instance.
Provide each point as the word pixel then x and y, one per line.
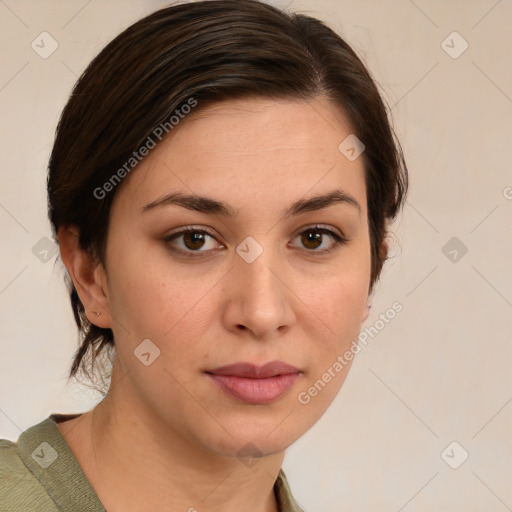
pixel 261 285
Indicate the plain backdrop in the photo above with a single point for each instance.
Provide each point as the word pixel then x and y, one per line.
pixel 439 372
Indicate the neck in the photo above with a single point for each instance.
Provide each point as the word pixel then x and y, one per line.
pixel 135 461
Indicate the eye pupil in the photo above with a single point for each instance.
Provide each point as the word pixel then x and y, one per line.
pixel 312 236
pixel 195 237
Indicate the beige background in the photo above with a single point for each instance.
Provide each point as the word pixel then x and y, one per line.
pixel 437 373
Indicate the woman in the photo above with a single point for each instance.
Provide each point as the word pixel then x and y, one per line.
pixel 220 187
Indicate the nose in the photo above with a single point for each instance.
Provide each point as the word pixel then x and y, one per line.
pixel 258 297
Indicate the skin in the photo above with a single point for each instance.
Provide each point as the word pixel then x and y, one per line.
pixel 166 438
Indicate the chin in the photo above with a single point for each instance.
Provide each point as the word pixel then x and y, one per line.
pixel 250 438
pixel 245 447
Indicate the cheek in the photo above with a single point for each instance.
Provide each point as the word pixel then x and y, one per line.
pixel 172 307
pixel 341 300
pixel 340 322
pixel 338 305
pixel 142 289
pixel 153 304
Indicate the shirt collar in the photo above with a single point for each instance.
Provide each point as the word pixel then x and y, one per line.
pixel 47 455
pixel 285 500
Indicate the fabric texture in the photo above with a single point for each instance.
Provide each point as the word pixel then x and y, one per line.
pixel 40 473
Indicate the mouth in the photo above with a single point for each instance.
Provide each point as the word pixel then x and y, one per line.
pixel 256 385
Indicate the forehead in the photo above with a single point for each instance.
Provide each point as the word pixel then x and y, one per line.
pixel 292 122
pixel 251 147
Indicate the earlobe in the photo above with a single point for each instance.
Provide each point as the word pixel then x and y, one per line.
pixel 87 275
pixel 366 311
pixel 383 252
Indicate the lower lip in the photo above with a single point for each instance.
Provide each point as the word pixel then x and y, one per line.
pixel 255 391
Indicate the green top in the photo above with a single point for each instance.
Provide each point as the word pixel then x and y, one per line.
pixel 40 472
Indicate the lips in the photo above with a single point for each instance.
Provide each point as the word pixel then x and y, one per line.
pixel 252 371
pixel 254 384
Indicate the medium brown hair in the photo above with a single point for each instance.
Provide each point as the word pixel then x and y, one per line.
pixel 208 50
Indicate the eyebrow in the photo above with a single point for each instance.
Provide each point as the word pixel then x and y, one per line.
pixel 213 207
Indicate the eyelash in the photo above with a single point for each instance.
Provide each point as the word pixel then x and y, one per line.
pixel 339 241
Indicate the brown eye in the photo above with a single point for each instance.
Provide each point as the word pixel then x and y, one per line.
pixel 313 238
pixel 193 241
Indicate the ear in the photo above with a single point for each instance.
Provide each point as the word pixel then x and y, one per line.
pixel 88 276
pixel 383 252
pixel 366 311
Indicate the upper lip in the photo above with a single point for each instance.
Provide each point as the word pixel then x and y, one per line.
pixel 249 370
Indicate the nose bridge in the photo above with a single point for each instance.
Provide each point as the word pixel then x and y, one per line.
pixel 263 302
pixel 260 275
